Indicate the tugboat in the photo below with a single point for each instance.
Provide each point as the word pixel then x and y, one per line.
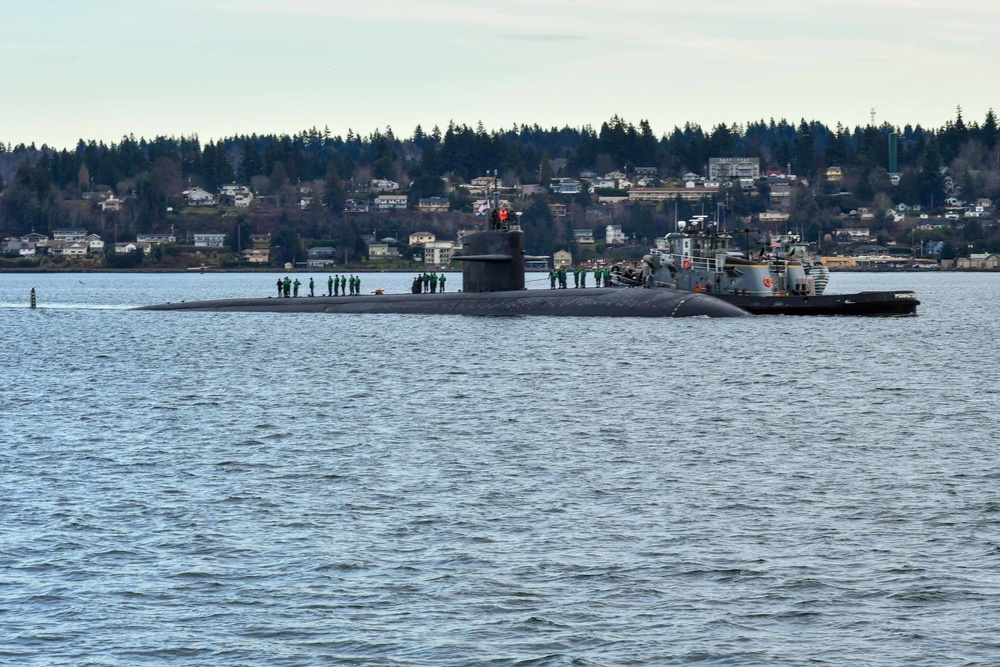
pixel 780 280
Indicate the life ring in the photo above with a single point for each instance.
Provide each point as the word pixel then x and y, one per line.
pixel 686 263
pixel 768 282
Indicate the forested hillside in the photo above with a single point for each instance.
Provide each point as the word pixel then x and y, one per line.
pixel 42 188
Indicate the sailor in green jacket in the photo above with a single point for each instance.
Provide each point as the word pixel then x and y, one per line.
pixel 343 285
pixel 329 286
pixel 441 283
pixel 295 287
pixel 287 284
pixel 597 277
pixel 553 274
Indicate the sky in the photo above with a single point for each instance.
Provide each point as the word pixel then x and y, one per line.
pixel 105 69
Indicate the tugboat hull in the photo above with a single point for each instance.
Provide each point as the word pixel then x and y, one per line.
pixel 873 304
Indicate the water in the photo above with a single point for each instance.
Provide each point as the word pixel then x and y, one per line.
pixel 303 489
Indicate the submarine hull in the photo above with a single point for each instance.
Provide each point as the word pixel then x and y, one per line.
pixel 594 302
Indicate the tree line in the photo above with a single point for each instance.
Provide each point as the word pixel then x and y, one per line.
pixel 37 183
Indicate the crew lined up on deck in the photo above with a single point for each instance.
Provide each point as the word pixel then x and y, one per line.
pixel 428 283
pixel 335 286
pixel 579 278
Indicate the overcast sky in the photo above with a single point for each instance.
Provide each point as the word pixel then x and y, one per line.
pixel 104 69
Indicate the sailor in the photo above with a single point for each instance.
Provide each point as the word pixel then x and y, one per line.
pixel 281 286
pixel 416 287
pixel 427 283
pixel 343 285
pixel 597 277
pixel 434 282
pixel 357 285
pixel 552 278
pixel 441 283
pixel 287 285
pixel 295 287
pixel 583 278
pixel 329 286
pixel 312 287
pixel 336 285
pixel 576 277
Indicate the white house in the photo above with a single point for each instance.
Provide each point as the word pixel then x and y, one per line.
pixel 199 197
pixel 155 239
pixel 383 185
pixel 95 243
pixel 390 202
pixel 233 189
pixel 562 259
pixel 22 248
pixel 209 240
pixel 614 234
pixel 111 204
pixel 74 234
pixel 242 199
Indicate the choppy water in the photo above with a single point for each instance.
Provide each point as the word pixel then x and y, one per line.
pixel 260 489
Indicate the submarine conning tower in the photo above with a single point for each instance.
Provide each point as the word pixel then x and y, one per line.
pixel 493 261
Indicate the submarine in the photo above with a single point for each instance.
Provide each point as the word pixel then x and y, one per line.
pixel 493 285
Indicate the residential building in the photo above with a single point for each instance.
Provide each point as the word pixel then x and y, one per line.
pixel 433 204
pixel 95 243
pixel 853 235
pixel 390 202
pixel 725 168
pixel 321 252
pixel 834 174
pixel 74 234
pixel 242 199
pixel 647 172
pixel 562 259
pixel 558 210
pixel 199 197
pixel 420 238
pixel 40 240
pixel 565 186
pixel 486 182
pixel 20 248
pixel 233 189
pixel 132 246
pixel 112 204
pixel 383 185
pixel 261 241
pixel 438 253
pixel 613 234
pixel 687 193
pixel 382 251
pixel 356 206
pixel 209 240
pixel 773 217
pixel 257 255
pixel 583 236
pixel 156 239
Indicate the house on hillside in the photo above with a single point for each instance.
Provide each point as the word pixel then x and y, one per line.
pixel 199 197
pixel 613 234
pixel 209 240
